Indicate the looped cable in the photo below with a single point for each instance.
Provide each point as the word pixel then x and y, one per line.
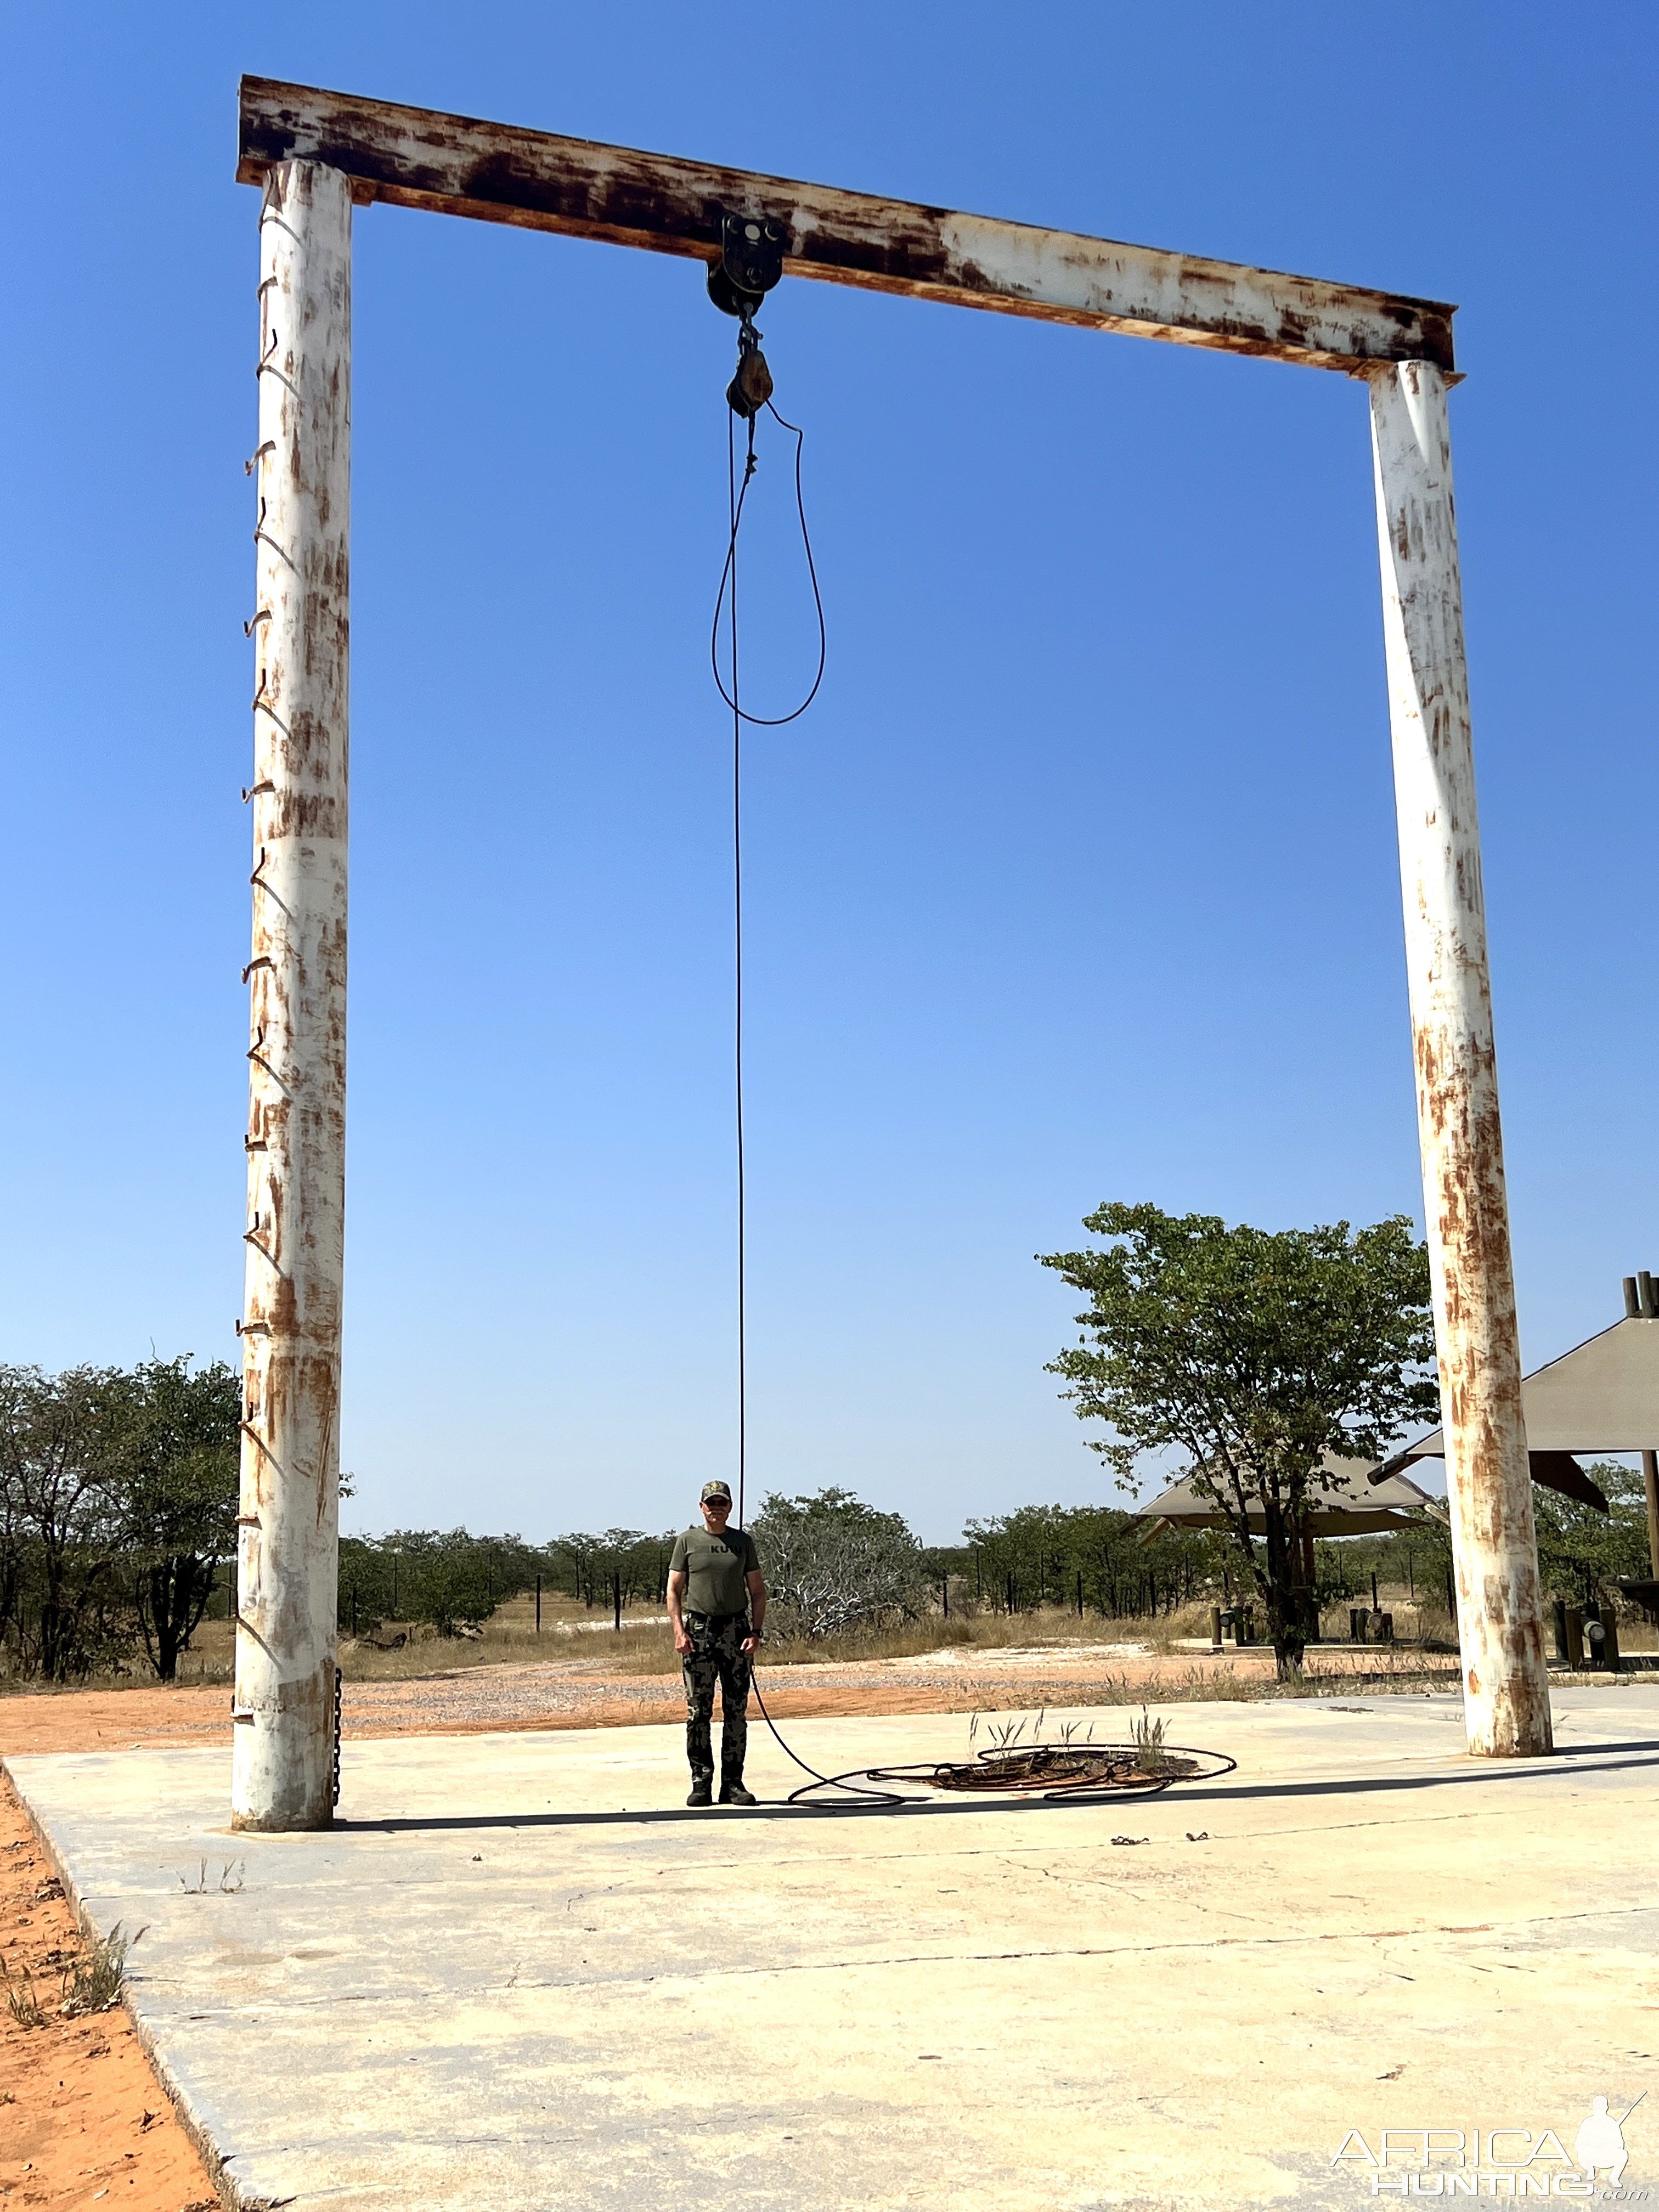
pixel 728 579
pixel 856 1783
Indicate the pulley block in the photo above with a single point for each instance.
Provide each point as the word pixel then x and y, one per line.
pixel 752 248
pixel 752 387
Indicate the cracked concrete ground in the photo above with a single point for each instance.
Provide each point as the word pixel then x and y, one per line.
pixel 522 1974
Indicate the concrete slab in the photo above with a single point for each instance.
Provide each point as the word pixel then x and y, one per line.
pixel 522 1974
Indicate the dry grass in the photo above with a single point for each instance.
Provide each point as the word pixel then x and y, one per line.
pixel 22 1999
pixel 90 1982
pixel 211 1657
pixel 571 1632
pixel 645 1646
pixel 1050 1629
pixel 1383 1674
pixel 93 1982
pixel 1068 1638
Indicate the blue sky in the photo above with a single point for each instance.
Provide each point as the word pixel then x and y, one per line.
pixel 1080 880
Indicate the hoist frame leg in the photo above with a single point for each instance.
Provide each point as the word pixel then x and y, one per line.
pixel 288 1561
pixel 1506 1700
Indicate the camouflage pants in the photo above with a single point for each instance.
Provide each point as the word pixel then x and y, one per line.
pixel 715 1656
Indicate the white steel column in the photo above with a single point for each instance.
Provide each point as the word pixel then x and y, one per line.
pixel 1500 1615
pixel 288 1552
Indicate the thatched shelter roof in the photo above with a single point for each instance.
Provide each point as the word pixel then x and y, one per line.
pixel 1352 1498
pixel 1602 1396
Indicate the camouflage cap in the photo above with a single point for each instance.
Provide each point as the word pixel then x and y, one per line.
pixel 714 1490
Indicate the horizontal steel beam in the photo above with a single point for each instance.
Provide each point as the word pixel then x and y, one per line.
pixel 452 165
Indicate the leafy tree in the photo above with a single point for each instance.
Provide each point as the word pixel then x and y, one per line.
pixel 626 1556
pixel 1581 1552
pixel 453 1580
pixel 1255 1353
pixel 833 1563
pixel 60 1520
pixel 1053 1554
pixel 173 1452
pixel 446 1577
pixel 369 1590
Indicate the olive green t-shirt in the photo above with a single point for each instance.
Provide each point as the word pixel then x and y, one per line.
pixel 715 1568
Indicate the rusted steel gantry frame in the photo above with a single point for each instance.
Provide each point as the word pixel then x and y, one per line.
pixel 316 154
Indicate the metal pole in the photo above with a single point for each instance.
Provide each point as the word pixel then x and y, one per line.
pixel 1499 1609
pixel 288 1564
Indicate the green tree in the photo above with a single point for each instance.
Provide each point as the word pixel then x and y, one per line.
pixel 172 1453
pixel 446 1577
pixel 621 1560
pixel 60 1521
pixel 1255 1353
pixel 1058 1555
pixel 1582 1553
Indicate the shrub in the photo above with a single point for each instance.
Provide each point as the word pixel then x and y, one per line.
pixel 832 1563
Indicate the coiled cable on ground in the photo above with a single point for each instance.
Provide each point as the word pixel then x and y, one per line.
pixel 1058 1773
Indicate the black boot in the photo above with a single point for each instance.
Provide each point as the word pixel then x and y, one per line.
pixel 732 1792
pixel 702 1791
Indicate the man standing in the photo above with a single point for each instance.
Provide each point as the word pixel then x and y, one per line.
pixel 713 1578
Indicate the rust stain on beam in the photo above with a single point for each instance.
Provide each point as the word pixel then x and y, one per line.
pixel 497 173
